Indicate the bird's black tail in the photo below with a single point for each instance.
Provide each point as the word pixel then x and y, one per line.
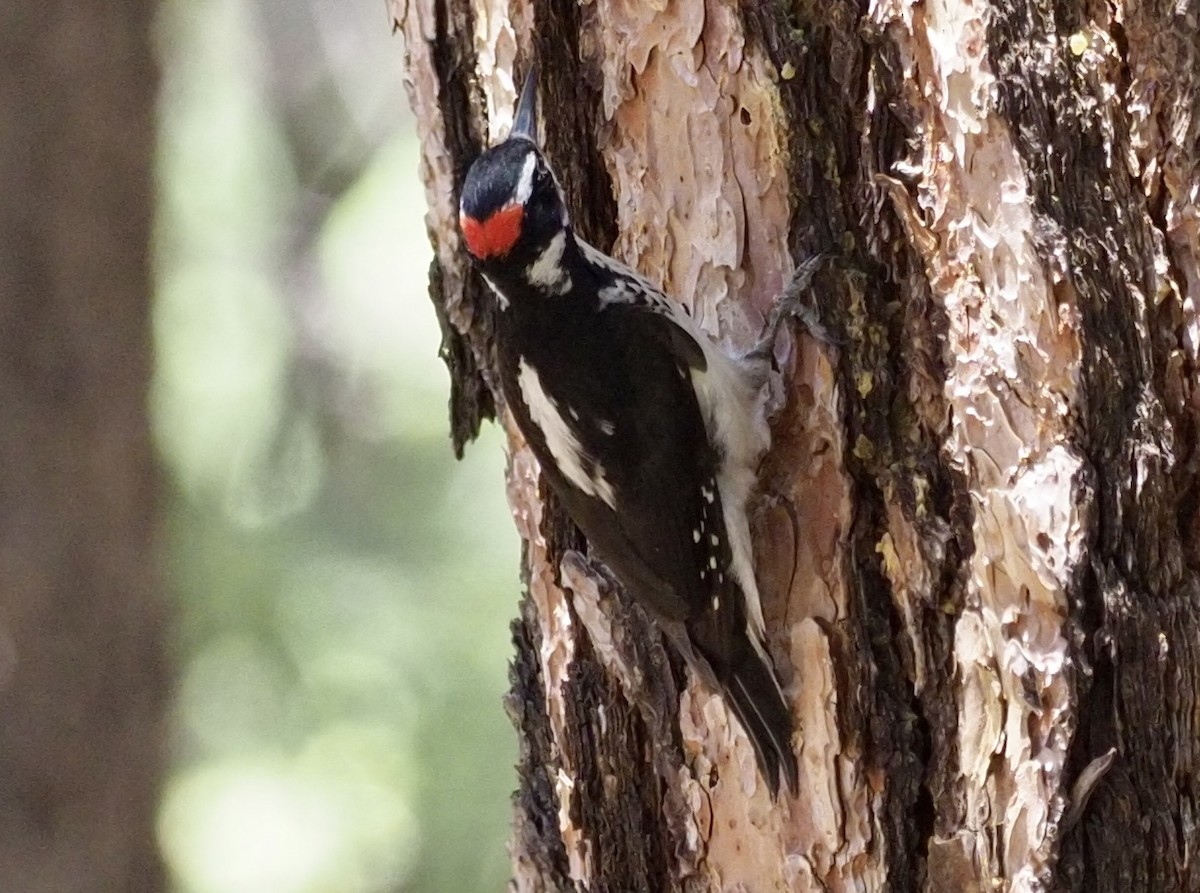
pixel 753 692
pixel 750 688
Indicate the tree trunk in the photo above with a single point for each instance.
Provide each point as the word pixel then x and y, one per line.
pixel 82 676
pixel 990 611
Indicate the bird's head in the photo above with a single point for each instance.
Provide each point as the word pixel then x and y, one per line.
pixel 511 204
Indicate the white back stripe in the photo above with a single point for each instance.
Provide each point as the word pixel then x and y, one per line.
pixel 500 296
pixel 564 446
pixel 547 271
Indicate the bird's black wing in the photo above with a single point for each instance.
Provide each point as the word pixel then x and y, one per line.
pixel 648 502
pixel 644 442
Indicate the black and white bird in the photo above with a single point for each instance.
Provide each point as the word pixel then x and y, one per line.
pixel 647 431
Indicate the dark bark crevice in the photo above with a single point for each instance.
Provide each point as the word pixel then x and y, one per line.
pixel 570 86
pixel 1138 604
pixel 467 355
pixel 535 836
pixel 619 796
pixel 471 399
pixel 876 299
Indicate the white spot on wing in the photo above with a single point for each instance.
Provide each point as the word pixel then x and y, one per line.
pixel 564 446
pixel 631 288
pixel 548 271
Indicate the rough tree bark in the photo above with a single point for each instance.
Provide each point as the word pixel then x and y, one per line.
pixel 991 610
pixel 82 678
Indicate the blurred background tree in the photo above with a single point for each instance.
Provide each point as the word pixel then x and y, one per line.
pixel 83 682
pixel 343 586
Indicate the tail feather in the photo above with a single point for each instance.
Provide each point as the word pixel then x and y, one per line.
pixel 722 650
pixel 753 693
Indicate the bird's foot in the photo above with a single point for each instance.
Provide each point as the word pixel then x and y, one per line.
pixel 796 304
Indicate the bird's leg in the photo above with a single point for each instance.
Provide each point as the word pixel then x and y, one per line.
pixel 763 361
pixel 792 304
pixel 576 567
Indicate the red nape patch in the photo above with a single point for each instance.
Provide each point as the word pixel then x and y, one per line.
pixel 495 236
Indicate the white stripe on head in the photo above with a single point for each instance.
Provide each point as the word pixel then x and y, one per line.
pixel 525 182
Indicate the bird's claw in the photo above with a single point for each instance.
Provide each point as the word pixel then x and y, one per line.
pixel 793 304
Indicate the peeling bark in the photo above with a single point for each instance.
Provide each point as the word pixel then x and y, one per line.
pixel 992 473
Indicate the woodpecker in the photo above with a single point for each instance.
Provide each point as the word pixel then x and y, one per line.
pixel 648 432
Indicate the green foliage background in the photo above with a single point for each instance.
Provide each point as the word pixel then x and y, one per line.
pixel 344 588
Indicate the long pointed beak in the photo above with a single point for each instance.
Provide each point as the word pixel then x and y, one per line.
pixel 525 118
